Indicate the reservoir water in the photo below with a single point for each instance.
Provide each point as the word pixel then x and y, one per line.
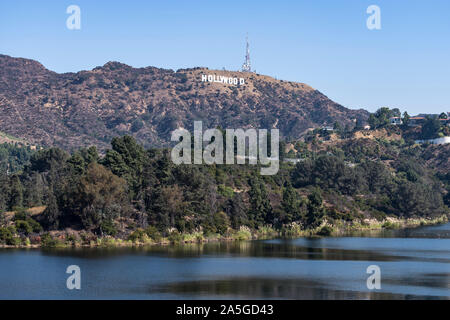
pixel 414 264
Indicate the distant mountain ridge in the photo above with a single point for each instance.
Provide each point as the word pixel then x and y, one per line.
pixel 72 110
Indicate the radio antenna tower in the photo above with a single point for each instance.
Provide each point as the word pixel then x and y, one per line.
pixel 246 67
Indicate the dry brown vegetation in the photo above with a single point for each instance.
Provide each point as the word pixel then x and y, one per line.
pixel 90 107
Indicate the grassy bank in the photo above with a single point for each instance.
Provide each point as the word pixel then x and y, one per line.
pixel 149 236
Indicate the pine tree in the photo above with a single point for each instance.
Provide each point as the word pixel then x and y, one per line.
pixel 406 118
pixel 235 208
pixel 34 190
pixel 290 204
pixel 260 208
pixel 51 215
pixel 316 211
pixel 16 193
pixel 126 160
pixel 4 192
pixel 77 163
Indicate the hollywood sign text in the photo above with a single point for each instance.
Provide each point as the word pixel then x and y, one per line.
pixel 222 79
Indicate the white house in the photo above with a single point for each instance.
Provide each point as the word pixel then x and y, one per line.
pixel 396 121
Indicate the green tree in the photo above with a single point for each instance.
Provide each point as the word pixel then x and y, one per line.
pixel 16 193
pixel 221 222
pixel 51 215
pixel 380 118
pixel 45 159
pixel 316 210
pixel 443 115
pixel 406 118
pixel 290 204
pixel 34 189
pixel 126 160
pixel 260 208
pixel 395 113
pixel 338 127
pixel 236 210
pixel 4 192
pixel 77 162
pixel 168 207
pixel 100 197
pixel 431 128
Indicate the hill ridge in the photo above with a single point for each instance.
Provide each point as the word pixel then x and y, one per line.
pixel 89 107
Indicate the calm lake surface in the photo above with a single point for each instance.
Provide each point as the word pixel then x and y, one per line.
pixel 415 264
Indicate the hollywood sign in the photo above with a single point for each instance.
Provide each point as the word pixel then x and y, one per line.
pixel 222 79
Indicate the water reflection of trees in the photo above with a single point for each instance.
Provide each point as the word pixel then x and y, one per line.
pixel 283 249
pixel 428 280
pixel 263 288
pixel 268 250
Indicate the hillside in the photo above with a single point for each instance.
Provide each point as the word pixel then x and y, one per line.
pixel 389 144
pixel 438 157
pixel 5 138
pixel 72 110
pixel 139 196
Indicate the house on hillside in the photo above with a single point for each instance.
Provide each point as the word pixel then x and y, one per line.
pixel 396 121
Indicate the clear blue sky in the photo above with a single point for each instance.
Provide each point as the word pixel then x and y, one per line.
pixel 324 43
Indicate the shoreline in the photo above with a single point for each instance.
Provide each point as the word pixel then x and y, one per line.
pixel 336 229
